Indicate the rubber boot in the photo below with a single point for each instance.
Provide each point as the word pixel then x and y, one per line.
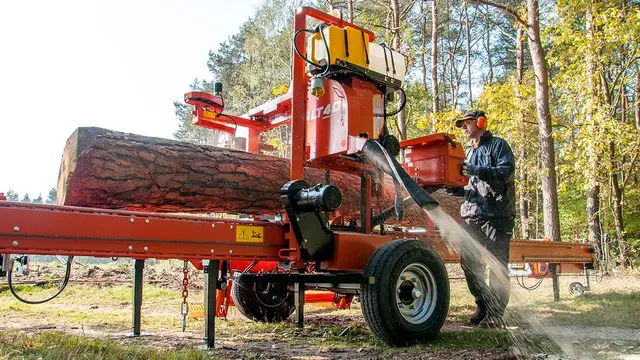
pixel 479 315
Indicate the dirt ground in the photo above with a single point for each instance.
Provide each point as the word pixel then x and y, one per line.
pixel 103 309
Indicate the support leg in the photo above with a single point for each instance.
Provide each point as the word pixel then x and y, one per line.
pixel 299 300
pixel 587 285
pixel 556 282
pixel 137 295
pixel 210 282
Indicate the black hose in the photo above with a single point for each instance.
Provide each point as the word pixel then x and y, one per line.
pixel 404 102
pixel 295 48
pixel 65 281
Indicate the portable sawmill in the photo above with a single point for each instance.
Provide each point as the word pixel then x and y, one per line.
pixel 344 89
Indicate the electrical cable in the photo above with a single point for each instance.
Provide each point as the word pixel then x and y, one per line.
pixel 64 283
pixel 520 280
pixel 295 48
pixel 401 107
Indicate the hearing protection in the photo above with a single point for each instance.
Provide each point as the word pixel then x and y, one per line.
pixel 481 122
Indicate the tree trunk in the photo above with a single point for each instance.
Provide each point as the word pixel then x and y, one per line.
pixel 617 209
pixel 489 62
pixel 593 185
pixel 524 202
pixel 109 169
pixel 468 37
pixel 549 182
pixel 350 10
pixel 434 56
pixel 638 96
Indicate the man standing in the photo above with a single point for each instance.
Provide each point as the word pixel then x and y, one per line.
pixel 488 212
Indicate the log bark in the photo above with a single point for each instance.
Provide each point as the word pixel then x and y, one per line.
pixel 109 169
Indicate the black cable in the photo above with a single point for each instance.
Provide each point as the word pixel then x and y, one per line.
pixel 326 46
pixel 295 48
pixel 520 280
pixel 401 107
pixel 230 118
pixel 65 281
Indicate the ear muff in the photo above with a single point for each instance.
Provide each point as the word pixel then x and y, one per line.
pixel 481 122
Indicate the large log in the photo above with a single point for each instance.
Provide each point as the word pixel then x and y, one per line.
pixel 109 169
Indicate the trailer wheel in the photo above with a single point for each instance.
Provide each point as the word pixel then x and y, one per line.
pixel 261 301
pixel 409 301
pixel 576 289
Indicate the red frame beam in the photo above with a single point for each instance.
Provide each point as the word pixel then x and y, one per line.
pixel 65 230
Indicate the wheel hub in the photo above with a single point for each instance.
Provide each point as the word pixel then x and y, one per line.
pixel 416 293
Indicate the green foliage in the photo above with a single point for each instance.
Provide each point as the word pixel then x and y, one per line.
pixel 26 198
pixel 586 111
pixel 52 198
pixel 12 195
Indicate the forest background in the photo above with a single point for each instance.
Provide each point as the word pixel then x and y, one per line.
pixel 558 79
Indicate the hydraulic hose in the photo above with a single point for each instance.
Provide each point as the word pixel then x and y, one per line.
pixel 64 283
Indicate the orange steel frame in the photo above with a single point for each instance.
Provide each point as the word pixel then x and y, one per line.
pixel 64 230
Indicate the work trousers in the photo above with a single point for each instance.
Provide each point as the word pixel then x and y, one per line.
pixel 494 236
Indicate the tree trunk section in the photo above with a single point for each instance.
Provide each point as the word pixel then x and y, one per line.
pixel 549 182
pixel 593 186
pixel 522 173
pixel 434 56
pixel 109 169
pixel 638 96
pixel 468 37
pixel 617 209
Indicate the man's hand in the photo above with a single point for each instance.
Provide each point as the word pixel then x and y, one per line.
pixel 465 169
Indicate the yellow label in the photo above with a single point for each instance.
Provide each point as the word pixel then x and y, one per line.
pixel 251 234
pixel 209 114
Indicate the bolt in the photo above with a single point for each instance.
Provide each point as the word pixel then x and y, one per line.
pixel 131 220
pixel 230 251
pixel 403 278
pixel 305 240
pixel 146 221
pixel 298 218
pixel 146 248
pixel 15 243
pixel 130 247
pixel 416 293
pixel 16 229
pixel 411 307
pixel 213 225
pixel 212 251
pixel 414 280
pixel 400 306
pixel 230 226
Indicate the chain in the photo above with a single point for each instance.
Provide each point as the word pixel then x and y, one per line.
pixel 184 307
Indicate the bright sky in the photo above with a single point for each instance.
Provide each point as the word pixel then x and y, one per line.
pixel 117 64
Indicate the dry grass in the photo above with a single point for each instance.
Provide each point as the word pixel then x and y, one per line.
pixel 93 322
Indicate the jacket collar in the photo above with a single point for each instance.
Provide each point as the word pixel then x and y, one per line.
pixel 485 138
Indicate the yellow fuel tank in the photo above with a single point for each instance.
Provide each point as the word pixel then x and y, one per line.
pixel 346 44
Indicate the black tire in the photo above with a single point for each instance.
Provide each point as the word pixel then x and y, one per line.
pixel 394 307
pixel 264 302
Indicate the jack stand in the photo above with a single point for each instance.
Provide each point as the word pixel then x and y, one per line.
pixel 137 295
pixel 210 289
pixel 298 296
pixel 556 282
pixel 587 285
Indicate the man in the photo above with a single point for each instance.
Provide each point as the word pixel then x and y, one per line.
pixel 488 212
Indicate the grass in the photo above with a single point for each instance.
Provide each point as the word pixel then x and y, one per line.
pixel 106 312
pixel 55 345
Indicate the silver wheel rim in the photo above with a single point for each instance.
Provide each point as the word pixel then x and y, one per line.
pixel 416 293
pixel 576 288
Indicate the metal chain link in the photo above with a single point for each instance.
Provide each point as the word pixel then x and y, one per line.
pixel 184 307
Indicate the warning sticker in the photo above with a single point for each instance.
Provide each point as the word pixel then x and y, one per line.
pixel 252 234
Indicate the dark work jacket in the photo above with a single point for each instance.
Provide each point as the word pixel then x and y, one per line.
pixel 490 193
